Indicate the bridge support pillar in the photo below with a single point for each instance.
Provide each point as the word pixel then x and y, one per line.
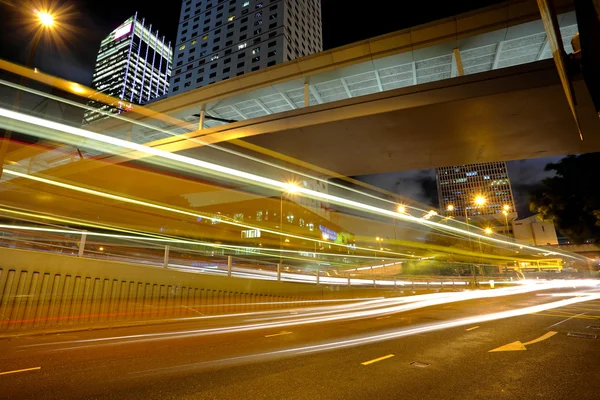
pixel 229 266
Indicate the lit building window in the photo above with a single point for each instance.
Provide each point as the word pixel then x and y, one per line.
pixel 182 47
pixel 242 46
pixel 259 215
pixel 246 4
pixel 231 18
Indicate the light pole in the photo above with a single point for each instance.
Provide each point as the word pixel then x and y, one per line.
pixel 479 201
pixel 290 189
pixel 45 22
pixel 505 209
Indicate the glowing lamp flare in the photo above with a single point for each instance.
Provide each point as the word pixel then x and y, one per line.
pixel 45 19
pixel 480 200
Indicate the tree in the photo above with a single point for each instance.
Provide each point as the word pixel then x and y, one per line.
pixel 572 197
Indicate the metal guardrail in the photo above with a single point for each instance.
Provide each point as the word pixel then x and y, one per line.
pixel 162 253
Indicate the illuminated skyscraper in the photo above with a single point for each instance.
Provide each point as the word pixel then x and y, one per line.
pixel 133 66
pixel 218 40
pixel 467 185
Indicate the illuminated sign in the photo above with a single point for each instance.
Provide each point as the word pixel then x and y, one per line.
pixel 122 31
pixel 327 233
pixel 250 234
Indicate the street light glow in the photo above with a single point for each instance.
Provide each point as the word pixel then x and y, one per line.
pixel 401 209
pixel 506 207
pixel 450 207
pixel 291 187
pixel 480 200
pixel 45 19
pixel 488 231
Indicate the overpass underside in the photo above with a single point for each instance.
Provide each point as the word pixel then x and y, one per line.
pixel 509 114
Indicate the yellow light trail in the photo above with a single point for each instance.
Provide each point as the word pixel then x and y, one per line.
pixel 238 142
pixel 258 250
pixel 176 210
pixel 256 179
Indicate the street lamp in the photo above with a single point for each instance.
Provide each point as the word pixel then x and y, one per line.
pixel 480 200
pixel 44 20
pixel 488 231
pixel 290 188
pixel 505 209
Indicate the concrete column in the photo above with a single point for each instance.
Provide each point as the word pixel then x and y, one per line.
pixel 318 280
pixel 166 259
pixel 229 266
pixel 348 279
pixel 82 245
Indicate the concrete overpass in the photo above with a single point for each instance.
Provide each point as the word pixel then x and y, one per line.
pixel 394 102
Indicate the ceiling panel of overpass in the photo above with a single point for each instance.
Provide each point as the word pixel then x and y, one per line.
pixel 508 47
pixel 518 124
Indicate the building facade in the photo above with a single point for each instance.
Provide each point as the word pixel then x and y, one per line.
pixel 459 188
pixel 133 66
pixel 535 231
pixel 218 40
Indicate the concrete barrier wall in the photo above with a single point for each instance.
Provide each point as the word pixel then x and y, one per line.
pixel 42 289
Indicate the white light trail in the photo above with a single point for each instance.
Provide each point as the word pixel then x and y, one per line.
pixel 256 179
pixel 359 311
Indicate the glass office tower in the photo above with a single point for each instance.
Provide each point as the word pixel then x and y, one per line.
pixel 133 66
pixel 218 40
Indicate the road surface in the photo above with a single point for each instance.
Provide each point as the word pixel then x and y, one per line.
pixel 431 352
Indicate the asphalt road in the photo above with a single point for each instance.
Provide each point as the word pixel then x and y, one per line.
pixel 281 362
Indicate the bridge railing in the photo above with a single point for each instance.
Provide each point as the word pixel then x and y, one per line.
pixel 211 259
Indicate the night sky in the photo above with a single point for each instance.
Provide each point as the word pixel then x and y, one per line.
pixel 344 22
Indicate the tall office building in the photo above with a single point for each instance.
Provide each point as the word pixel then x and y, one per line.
pixel 459 186
pixel 133 66
pixel 218 40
